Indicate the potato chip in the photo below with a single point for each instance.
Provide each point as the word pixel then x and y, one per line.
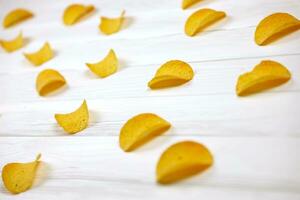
pixel 41 56
pixel 19 177
pixel 48 81
pixel 105 67
pixel 265 75
pixel 141 129
pixel 274 27
pixel 182 160
pixel 187 3
pixel 202 19
pixel 109 26
pixel 75 12
pixel 76 121
pixel 12 45
pixel 16 16
pixel 172 73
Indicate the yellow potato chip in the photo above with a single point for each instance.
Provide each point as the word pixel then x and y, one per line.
pixel 76 121
pixel 172 73
pixel 182 160
pixel 41 56
pixel 12 45
pixel 265 75
pixel 202 19
pixel 274 27
pixel 16 16
pixel 109 26
pixel 48 81
pixel 107 66
pixel 75 12
pixel 141 129
pixel 187 3
pixel 19 177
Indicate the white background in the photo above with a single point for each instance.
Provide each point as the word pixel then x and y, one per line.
pixel 255 140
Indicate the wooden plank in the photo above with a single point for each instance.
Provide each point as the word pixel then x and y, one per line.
pixel 211 78
pixel 266 115
pixel 145 19
pixel 217 45
pixel 94 167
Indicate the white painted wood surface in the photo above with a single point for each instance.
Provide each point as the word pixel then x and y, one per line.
pixel 255 140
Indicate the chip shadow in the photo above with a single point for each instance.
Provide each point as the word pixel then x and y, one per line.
pixel 43 173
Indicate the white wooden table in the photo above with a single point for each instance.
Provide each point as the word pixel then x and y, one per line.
pixel 255 140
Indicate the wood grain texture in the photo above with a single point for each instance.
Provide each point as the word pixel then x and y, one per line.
pixel 255 140
pixel 95 166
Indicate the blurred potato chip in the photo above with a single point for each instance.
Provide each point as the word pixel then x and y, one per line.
pixel 76 121
pixel 182 160
pixel 141 129
pixel 16 16
pixel 105 67
pixel 202 19
pixel 109 26
pixel 41 56
pixel 274 27
pixel 19 177
pixel 48 81
pixel 265 75
pixel 172 73
pixel 75 12
pixel 187 3
pixel 12 45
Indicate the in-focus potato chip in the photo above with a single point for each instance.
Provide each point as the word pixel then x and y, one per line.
pixel 19 177
pixel 76 121
pixel 274 27
pixel 16 16
pixel 41 56
pixel 48 81
pixel 265 75
pixel 12 45
pixel 182 160
pixel 75 12
pixel 141 129
pixel 107 66
pixel 109 26
pixel 202 19
pixel 172 73
pixel 187 3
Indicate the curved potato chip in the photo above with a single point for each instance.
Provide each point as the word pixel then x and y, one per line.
pixel 187 3
pixel 141 129
pixel 202 19
pixel 48 81
pixel 172 73
pixel 105 67
pixel 12 45
pixel 274 27
pixel 19 177
pixel 16 16
pixel 41 56
pixel 182 160
pixel 74 12
pixel 265 75
pixel 76 121
pixel 109 26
